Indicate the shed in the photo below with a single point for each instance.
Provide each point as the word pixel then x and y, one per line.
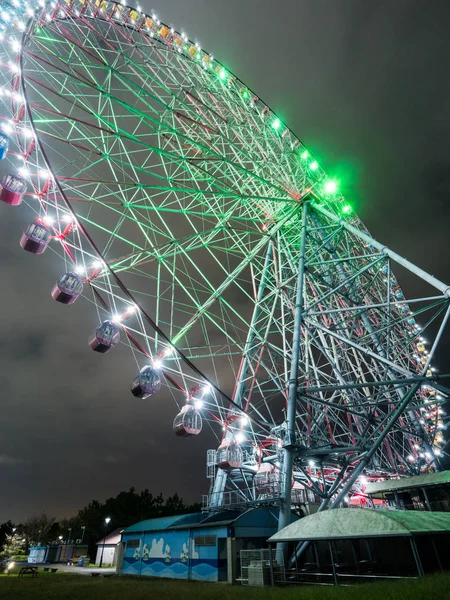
pixel 107 548
pixel 199 546
pixel 428 491
pixel 357 542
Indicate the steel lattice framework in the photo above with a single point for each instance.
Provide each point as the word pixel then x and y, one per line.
pixel 231 264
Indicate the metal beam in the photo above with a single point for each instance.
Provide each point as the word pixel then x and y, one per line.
pixel 433 281
pixel 288 457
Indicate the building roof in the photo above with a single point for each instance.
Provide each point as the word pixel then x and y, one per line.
pixel 220 519
pixel 112 538
pixel 406 483
pixel 262 517
pixel 344 523
pixel 160 523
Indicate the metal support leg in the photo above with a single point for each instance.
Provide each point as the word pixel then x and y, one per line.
pixel 333 566
pixel 417 557
pixel 285 509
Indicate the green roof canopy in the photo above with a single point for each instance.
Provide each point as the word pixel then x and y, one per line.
pixel 406 483
pixel 343 523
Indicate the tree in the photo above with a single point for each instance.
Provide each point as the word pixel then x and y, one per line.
pixel 36 529
pixel 6 529
pixel 15 545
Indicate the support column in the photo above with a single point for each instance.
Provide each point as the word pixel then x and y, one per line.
pixel 231 560
pixel 289 442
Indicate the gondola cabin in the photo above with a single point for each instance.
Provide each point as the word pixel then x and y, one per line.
pixel 229 455
pixel 35 238
pixel 67 288
pixel 187 422
pixel 105 337
pixel 146 383
pixel 13 188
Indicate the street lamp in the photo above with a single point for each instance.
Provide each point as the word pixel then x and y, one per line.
pixel 107 520
pixel 59 550
pixel 66 546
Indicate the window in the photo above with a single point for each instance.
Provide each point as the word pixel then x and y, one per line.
pixel 133 543
pixel 205 540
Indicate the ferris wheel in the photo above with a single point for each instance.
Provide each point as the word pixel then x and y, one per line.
pixel 211 242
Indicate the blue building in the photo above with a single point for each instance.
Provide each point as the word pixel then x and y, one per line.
pixel 200 546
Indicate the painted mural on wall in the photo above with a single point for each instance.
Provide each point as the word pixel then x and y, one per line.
pixel 171 555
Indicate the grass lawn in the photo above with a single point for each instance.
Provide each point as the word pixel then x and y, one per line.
pixel 62 586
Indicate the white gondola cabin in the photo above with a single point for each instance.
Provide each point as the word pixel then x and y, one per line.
pixel 187 422
pixel 35 238
pixel 68 288
pixel 229 455
pixel 146 383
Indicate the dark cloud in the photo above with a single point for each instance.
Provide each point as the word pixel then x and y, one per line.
pixel 365 86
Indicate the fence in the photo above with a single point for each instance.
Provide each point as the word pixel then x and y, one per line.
pixel 262 567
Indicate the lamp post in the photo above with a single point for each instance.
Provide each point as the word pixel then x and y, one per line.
pixel 107 520
pixel 67 542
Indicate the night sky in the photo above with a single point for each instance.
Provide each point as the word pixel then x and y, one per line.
pixel 365 86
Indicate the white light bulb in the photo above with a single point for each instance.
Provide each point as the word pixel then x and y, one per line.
pixel 198 404
pixel 132 308
pixel 157 364
pixel 240 437
pixel 67 218
pixel 244 419
pixel 117 319
pixel 48 220
pixel 80 270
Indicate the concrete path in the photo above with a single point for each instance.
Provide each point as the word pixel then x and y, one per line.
pixel 82 570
